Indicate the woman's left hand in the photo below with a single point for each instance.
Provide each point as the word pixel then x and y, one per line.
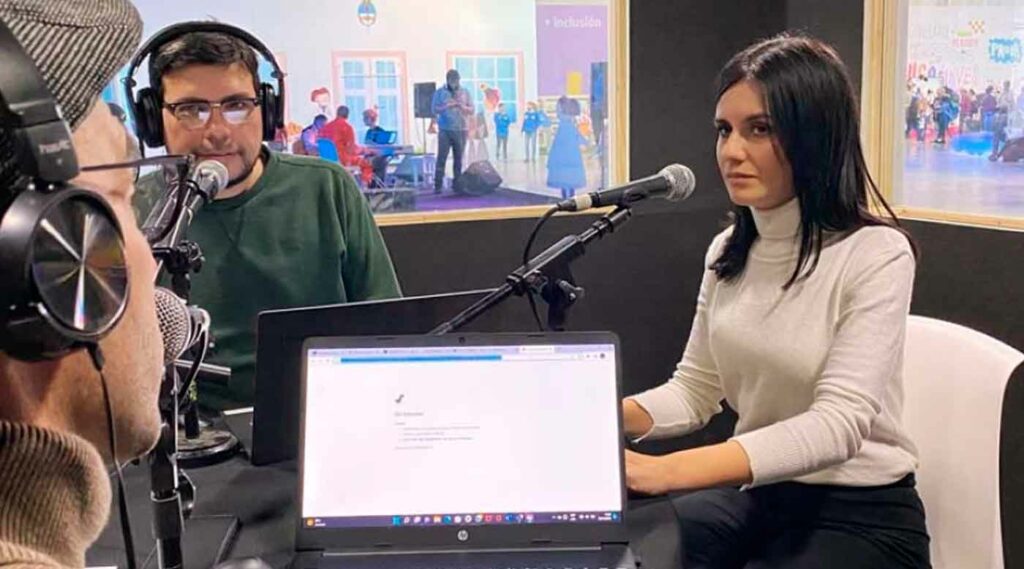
pixel 649 474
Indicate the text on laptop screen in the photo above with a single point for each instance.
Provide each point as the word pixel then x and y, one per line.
pixel 461 435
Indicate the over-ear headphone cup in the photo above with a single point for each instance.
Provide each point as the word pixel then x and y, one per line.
pixel 149 118
pixel 66 232
pixel 270 111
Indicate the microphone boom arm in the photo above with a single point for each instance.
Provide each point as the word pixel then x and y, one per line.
pixel 549 270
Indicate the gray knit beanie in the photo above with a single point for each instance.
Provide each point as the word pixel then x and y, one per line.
pixel 77 45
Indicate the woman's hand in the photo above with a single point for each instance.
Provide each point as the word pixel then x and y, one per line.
pixel 649 474
pixel 724 464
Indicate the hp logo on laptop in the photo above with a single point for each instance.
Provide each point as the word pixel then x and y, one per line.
pixel 463 535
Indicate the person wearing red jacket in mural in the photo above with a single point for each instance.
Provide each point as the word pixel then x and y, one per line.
pixel 350 153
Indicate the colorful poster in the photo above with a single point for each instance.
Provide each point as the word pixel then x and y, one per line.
pixel 964 46
pixel 569 38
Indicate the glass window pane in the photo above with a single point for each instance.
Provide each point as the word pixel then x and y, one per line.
pixel 508 89
pixel 356 105
pixel 354 83
pixel 465 67
pixel 485 69
pixel 352 67
pixel 352 71
pixel 506 68
pixel 960 122
pixel 387 106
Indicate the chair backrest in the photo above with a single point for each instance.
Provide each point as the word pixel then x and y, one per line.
pixel 327 150
pixel 954 382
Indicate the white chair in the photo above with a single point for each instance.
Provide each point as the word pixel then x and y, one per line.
pixel 954 381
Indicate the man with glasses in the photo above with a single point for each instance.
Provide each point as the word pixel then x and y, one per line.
pixel 287 231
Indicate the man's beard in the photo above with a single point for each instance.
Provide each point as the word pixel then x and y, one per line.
pixel 245 173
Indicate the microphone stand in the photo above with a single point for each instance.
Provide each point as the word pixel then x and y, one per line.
pixel 547 274
pixel 172 491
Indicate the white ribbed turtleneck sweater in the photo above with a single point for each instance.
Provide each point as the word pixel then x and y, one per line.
pixel 814 372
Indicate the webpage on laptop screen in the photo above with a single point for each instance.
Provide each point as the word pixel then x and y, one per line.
pixel 461 435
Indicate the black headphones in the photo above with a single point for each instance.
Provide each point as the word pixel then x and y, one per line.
pixel 147 107
pixel 63 278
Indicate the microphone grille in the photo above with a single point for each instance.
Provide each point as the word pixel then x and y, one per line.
pixel 681 182
pixel 172 314
pixel 217 171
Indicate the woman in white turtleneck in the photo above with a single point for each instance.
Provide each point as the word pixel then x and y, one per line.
pixel 800 327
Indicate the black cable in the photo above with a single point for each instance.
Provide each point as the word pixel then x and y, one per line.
pixel 526 259
pixel 185 187
pixel 536 230
pixel 203 342
pixel 122 501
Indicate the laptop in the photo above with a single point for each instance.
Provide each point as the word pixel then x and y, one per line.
pixel 280 333
pixel 462 452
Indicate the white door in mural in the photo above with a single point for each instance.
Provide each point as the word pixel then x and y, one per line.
pixel 367 82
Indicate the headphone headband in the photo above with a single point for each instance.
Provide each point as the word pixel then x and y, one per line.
pixel 33 116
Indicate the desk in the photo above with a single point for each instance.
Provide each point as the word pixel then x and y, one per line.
pixel 391 149
pixel 263 499
pixel 417 169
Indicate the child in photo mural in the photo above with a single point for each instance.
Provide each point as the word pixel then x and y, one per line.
pixel 502 120
pixel 533 119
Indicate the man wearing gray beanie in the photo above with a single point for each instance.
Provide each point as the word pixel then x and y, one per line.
pixel 54 488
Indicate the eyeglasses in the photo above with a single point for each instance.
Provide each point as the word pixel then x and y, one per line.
pixel 171 162
pixel 159 192
pixel 195 114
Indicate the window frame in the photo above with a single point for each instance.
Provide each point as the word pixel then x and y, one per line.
pixel 885 29
pixel 618 133
pixel 371 56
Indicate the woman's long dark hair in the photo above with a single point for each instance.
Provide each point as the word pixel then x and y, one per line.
pixel 814 114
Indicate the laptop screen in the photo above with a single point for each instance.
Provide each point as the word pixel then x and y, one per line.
pixel 409 435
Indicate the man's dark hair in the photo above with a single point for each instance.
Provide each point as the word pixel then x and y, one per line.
pixel 202 48
pixel 342 112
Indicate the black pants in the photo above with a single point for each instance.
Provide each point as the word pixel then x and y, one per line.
pixel 380 170
pixel 792 525
pixel 454 140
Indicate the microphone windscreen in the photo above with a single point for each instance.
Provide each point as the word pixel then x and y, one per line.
pixel 214 170
pixel 175 326
pixel 681 182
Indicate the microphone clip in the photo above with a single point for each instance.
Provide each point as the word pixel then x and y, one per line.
pixel 180 261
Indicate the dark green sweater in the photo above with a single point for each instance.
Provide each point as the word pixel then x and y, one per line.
pixel 301 236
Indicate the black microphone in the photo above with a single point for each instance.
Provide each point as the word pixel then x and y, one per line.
pixel 674 182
